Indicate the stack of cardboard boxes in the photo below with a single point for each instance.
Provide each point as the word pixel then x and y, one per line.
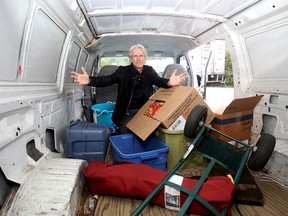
pixel 234 120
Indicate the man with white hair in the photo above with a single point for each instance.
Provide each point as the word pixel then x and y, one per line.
pixel 135 85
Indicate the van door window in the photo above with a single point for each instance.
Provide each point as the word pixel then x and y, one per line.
pixel 72 61
pixel 159 63
pixel 183 61
pixel 82 60
pixel 115 60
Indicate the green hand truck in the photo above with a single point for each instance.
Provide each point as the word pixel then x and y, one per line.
pixel 231 158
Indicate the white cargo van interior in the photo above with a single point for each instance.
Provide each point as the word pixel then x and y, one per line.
pixel 43 41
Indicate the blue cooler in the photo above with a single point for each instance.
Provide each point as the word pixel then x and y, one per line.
pixel 87 141
pixel 152 151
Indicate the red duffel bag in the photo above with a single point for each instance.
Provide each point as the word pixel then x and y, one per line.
pixel 139 180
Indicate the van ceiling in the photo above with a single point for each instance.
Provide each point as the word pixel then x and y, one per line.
pixel 184 17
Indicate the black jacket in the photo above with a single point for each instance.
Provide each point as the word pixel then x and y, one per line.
pixel 124 76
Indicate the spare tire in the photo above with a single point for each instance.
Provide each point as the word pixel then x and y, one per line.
pixel 196 116
pixel 265 147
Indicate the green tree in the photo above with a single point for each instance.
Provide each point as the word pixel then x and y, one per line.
pixel 228 69
pixel 104 61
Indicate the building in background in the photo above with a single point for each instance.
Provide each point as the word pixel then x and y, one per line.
pixel 216 62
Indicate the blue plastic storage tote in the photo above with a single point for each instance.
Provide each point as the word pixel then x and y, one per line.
pixel 87 141
pixel 152 151
pixel 102 113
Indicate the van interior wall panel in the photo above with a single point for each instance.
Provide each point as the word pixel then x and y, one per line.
pixel 32 99
pixel 11 36
pixel 258 62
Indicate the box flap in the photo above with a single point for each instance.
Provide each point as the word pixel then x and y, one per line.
pixel 240 105
pixel 143 125
pixel 178 101
pixel 164 94
pixel 170 96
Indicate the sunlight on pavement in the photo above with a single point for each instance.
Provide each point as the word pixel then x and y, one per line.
pixel 217 97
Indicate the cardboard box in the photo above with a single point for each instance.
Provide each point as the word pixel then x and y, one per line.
pixel 236 119
pixel 178 101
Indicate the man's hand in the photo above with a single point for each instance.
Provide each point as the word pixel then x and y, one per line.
pixel 175 80
pixel 82 79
